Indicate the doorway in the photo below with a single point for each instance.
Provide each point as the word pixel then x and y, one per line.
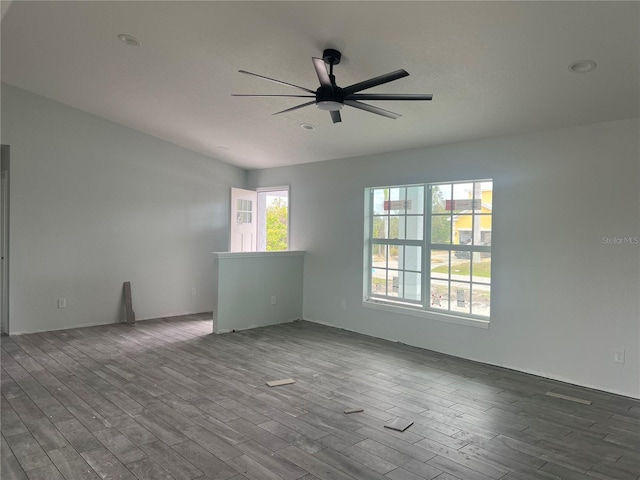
pixel 259 219
pixel 243 221
pixel 4 239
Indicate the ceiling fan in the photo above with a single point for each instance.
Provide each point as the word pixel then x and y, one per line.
pixel 332 98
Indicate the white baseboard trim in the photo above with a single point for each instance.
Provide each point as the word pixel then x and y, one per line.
pixel 537 373
pixel 251 327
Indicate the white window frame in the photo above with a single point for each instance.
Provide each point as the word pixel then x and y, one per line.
pixel 423 307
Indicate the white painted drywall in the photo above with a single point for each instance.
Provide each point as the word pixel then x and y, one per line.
pixel 246 284
pixel 563 300
pixel 94 204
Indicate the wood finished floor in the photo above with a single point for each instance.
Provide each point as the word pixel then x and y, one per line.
pixel 167 400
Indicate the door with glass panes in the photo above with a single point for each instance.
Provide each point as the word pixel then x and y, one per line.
pixel 243 220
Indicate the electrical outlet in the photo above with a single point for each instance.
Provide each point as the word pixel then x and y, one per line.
pixel 273 300
pixel 618 356
pixel 62 303
pixel 193 292
pixel 343 304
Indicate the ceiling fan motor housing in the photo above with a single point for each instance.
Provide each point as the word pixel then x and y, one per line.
pixel 327 94
pixel 331 56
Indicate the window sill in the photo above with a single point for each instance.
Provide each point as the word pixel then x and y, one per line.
pixel 414 312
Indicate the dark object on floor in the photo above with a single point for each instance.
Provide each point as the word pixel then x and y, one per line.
pixel 129 314
pixel 399 424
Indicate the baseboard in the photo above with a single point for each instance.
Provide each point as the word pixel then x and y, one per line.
pixel 542 375
pixel 100 324
pixel 251 327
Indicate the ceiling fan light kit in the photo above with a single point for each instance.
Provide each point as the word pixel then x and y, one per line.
pixel 330 105
pixel 332 98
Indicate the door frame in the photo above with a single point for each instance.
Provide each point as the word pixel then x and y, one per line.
pixel 4 238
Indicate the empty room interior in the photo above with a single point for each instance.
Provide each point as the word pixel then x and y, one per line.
pixel 199 199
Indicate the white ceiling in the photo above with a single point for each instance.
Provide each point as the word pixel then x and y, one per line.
pixel 494 68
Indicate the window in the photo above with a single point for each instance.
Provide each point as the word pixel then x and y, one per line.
pixel 429 247
pixel 244 209
pixel 273 219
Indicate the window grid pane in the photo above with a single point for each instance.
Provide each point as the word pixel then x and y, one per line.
pixel 467 207
pixel 456 238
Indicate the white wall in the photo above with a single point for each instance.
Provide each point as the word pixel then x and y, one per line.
pixel 563 301
pixel 94 204
pixel 246 284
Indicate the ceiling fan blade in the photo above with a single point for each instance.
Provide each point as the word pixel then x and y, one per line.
pixel 384 96
pixel 335 116
pixel 374 82
pixel 295 108
pixel 260 95
pixel 277 81
pixel 321 71
pixel 372 109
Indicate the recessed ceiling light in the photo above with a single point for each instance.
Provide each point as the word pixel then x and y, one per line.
pixel 583 66
pixel 129 40
pixel 308 126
